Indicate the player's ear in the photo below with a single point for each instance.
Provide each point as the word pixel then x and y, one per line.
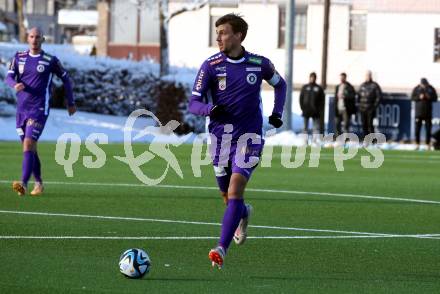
pixel 43 40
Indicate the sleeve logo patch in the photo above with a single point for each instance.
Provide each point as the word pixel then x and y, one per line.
pixel 216 61
pixel 200 80
pixel 255 60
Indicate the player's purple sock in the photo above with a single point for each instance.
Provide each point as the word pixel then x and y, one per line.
pixel 37 169
pixel 245 212
pixel 231 219
pixel 28 164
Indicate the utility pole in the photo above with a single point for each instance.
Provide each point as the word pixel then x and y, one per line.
pixel 325 44
pixel 163 35
pixel 289 41
pixel 20 18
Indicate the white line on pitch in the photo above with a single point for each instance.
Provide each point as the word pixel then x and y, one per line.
pixel 206 223
pixel 196 237
pixel 248 189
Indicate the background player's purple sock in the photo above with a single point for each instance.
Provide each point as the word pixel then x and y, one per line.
pixel 28 164
pixel 37 168
pixel 223 183
pixel 231 219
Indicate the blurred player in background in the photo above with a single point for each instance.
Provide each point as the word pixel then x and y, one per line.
pixel 30 74
pixel 232 78
pixel 424 95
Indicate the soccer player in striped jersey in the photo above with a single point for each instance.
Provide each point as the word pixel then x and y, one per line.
pixel 30 74
pixel 232 79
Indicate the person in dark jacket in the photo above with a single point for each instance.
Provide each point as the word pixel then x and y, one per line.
pixel 345 105
pixel 424 95
pixel 312 100
pixel 369 97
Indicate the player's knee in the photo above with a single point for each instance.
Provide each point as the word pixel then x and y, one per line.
pixel 236 191
pixel 29 145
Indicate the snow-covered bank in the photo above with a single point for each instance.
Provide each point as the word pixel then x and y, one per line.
pixel 83 124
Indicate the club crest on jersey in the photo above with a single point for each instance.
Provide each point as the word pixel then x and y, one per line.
pixel 221 82
pixel 40 68
pixel 251 78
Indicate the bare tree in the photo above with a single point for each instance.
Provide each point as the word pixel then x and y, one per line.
pixel 164 18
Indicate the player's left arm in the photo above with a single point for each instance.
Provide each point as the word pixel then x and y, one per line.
pixel 379 95
pixel 11 76
pixel 60 72
pixel 277 82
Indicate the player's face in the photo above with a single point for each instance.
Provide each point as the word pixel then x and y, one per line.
pixel 35 39
pixel 369 76
pixel 226 39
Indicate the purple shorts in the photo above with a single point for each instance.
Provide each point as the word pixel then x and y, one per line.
pixel 243 161
pixel 31 128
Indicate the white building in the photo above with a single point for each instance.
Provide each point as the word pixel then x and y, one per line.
pixel 399 40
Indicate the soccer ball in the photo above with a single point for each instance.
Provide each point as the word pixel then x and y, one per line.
pixel 134 263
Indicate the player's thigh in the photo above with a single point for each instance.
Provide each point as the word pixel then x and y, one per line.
pixel 32 132
pixel 34 128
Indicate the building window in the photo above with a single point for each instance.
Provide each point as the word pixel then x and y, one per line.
pixel 3 5
pixel 149 25
pixel 300 35
pixel 7 5
pixel 358 31
pixel 217 11
pixel 437 45
pixel 40 7
pixel 124 14
pixel 213 31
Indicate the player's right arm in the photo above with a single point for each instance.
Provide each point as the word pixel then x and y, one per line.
pixel 198 102
pixel 11 77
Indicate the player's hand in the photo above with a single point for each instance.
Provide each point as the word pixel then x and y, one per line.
pixel 275 120
pixel 217 111
pixel 71 110
pixel 19 87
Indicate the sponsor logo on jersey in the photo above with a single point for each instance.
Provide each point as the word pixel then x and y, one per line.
pixel 220 68
pixel 255 60
pixel 222 82
pixel 21 68
pixel 43 62
pixel 200 80
pixel 253 68
pixel 251 78
pixel 47 57
pixel 216 61
pixel 40 68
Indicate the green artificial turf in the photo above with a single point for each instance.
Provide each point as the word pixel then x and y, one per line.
pixel 328 233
